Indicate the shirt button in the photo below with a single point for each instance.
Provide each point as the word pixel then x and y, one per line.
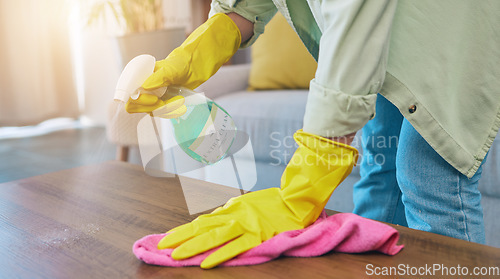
pixel 412 108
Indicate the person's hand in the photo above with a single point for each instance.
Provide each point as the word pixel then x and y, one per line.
pixel 189 65
pixel 315 170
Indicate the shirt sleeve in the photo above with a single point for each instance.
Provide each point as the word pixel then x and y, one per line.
pixel 351 65
pixel 259 12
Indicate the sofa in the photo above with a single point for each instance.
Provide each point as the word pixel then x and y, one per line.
pixel 270 117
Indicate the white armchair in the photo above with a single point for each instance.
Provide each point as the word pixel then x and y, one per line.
pixel 121 130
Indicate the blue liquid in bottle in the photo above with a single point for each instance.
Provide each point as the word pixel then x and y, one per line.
pixel 206 131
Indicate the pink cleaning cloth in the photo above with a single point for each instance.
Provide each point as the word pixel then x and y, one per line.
pixel 342 232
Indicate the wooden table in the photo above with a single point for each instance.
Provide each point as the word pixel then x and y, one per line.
pixel 82 222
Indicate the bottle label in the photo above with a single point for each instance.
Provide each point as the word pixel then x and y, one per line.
pixel 216 137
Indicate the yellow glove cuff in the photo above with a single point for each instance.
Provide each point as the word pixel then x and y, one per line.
pixel 327 148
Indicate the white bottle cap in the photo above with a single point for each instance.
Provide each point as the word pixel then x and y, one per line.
pixel 133 76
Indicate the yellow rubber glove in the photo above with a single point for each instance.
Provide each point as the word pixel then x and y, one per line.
pixel 199 57
pixel 192 63
pixel 318 166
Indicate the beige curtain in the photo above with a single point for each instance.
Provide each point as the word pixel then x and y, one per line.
pixel 36 76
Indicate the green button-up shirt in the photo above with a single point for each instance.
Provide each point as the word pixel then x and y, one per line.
pixel 438 61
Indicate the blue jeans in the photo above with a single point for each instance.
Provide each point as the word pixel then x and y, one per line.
pixel 404 181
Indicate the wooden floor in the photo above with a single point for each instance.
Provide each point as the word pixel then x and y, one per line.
pixel 64 149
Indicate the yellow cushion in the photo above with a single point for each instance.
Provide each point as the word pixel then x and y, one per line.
pixel 279 59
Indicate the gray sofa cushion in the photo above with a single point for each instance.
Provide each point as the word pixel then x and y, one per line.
pixel 269 123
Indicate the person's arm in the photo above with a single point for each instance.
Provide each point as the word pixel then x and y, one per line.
pixel 351 66
pixel 245 26
pixel 251 16
pixel 316 168
pixel 246 29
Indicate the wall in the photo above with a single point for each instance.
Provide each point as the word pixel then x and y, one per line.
pixel 97 62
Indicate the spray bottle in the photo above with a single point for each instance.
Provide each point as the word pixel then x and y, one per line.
pixel 205 131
